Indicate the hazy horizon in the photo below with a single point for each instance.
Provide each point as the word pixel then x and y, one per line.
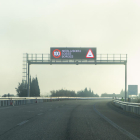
pixel 113 27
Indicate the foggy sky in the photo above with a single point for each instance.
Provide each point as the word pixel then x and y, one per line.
pixel 30 26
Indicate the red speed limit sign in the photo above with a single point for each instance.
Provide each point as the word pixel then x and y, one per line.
pixel 56 53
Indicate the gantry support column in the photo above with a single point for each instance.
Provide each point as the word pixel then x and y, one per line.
pixel 28 92
pixel 125 81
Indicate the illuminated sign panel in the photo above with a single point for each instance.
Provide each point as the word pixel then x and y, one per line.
pixel 72 53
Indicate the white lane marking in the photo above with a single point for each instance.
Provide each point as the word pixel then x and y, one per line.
pixel 115 125
pixel 23 122
pixel 40 114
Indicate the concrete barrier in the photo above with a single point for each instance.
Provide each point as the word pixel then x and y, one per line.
pixel 2 103
pixel 123 107
pixel 5 103
pixel 138 110
pixel 127 106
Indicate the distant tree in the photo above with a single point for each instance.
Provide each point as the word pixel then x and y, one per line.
pixel 86 93
pixel 62 93
pixel 53 93
pixel 34 88
pixel 68 93
pixel 8 95
pixel 108 95
pixel 21 90
pixel 4 95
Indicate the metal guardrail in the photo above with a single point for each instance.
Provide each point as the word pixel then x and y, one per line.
pixel 29 100
pixel 6 101
pixel 127 106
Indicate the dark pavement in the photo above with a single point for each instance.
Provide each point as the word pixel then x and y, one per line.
pixel 67 120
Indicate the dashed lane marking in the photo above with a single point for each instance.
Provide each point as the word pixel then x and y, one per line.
pixel 23 122
pixel 40 114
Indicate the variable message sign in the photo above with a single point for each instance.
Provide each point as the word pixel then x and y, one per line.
pixel 72 53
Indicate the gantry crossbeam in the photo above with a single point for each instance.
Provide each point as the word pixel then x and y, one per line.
pixel 102 59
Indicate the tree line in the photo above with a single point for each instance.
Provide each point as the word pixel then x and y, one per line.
pixel 122 94
pixel 35 91
pixel 34 88
pixel 69 93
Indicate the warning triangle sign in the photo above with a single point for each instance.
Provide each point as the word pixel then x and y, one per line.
pixel 90 54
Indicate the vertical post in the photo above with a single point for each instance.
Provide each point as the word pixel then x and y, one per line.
pixel 126 79
pixel 113 57
pixel 36 57
pixel 28 79
pixel 42 57
pixel 107 57
pixel 26 69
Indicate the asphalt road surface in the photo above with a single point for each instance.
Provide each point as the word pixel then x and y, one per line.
pixel 68 120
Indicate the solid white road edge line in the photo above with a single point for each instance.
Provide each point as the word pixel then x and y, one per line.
pixel 115 125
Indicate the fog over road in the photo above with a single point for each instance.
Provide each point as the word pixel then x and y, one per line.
pixel 68 120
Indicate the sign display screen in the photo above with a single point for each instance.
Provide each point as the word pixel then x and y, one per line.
pixel 72 53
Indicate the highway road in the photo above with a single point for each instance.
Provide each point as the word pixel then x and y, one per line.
pixel 68 120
